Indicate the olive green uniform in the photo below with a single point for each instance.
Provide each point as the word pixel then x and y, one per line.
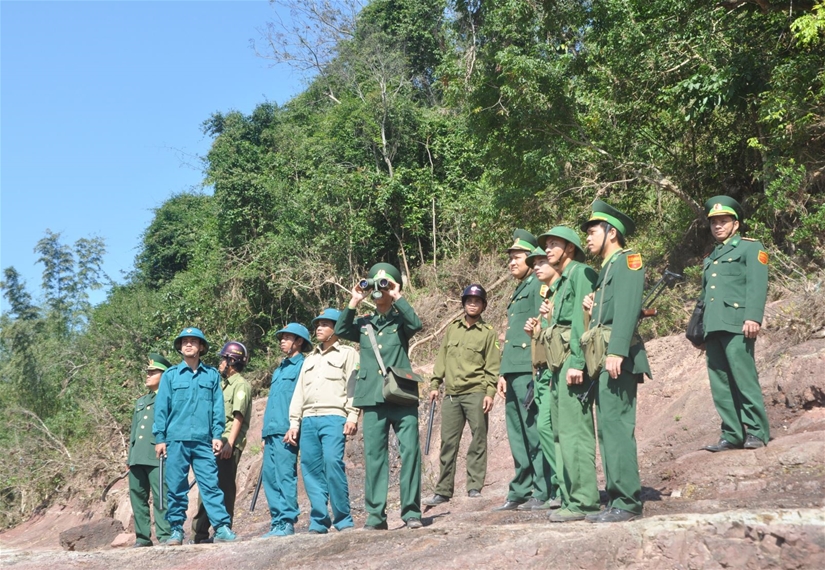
pixel 468 364
pixel 735 288
pixel 533 472
pixel 617 305
pixel 392 333
pixel 574 434
pixel 143 473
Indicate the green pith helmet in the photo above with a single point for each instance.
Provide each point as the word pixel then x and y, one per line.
pixel 298 330
pixel 193 332
pixel 386 270
pixel 724 206
pixel 157 362
pixel 523 241
pixel 604 212
pixel 537 254
pixel 567 234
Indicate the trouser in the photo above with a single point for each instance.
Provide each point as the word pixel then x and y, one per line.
pixel 532 476
pixel 734 384
pixel 544 425
pixel 455 412
pixel 376 425
pixel 280 479
pixel 322 468
pixel 575 441
pixel 198 454
pixel 227 471
pixel 142 478
pixel 616 413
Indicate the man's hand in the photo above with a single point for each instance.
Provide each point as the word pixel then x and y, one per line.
pixel 487 405
pixel 574 376
pixel 217 446
pixel 358 295
pixel 544 310
pixel 394 290
pixel 160 450
pixel 751 329
pixel 433 395
pixel 587 303
pixel 531 323
pixel 501 388
pixel 291 437
pixel 350 428
pixel 613 365
pixel 226 450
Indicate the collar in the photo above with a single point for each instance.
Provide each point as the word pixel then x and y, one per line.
pixel 335 346
pixel 612 258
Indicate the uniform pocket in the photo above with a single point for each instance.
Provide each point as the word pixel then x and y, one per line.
pixel 730 265
pixel 733 312
pixel 180 390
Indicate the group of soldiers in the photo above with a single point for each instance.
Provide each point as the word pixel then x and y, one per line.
pixel 571 344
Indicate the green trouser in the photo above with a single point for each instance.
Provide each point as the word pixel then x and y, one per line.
pixel 532 476
pixel 142 478
pixel 544 425
pixel 734 384
pixel 575 439
pixel 376 428
pixel 616 413
pixel 455 411
pixel 227 471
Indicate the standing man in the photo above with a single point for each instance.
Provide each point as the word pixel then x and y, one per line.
pixel 143 462
pixel 530 487
pixel 615 307
pixel 237 401
pixel 574 436
pixel 322 412
pixel 280 465
pixel 189 413
pixel 393 324
pixel 734 289
pixel 467 363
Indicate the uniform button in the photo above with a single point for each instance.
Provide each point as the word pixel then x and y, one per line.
pixel 145 417
pixel 713 274
pixel 736 304
pixel 711 299
pixel 140 437
pixel 523 345
pixel 508 328
pixel 715 262
pixel 148 407
pixel 730 259
pixel 142 427
pixel 594 304
pixel 379 334
pixel 506 342
pixel 713 286
pixel 379 346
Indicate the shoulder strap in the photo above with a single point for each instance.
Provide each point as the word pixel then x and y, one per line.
pixel 371 334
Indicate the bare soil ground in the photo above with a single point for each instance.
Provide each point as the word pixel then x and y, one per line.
pixel 740 509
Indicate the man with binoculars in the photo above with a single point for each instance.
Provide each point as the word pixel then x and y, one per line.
pixel 391 325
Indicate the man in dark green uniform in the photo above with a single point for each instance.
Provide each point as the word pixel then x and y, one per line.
pixel 393 323
pixel 573 431
pixel 734 289
pixel 467 363
pixel 530 487
pixel 143 463
pixel 614 309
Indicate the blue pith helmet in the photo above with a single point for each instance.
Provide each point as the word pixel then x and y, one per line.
pixel 298 330
pixel 193 332
pixel 328 314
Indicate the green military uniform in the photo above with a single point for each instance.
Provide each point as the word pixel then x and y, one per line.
pixel 573 430
pixel 237 397
pixel 532 477
pixel 617 306
pixel 734 289
pixel 144 467
pixel 392 332
pixel 468 365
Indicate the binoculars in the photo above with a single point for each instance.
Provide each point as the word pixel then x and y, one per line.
pixel 377 284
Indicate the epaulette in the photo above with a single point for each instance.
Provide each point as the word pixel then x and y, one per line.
pixel 489 327
pixel 748 239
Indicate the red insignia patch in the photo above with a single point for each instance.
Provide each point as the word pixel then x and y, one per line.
pixel 763 257
pixel 634 261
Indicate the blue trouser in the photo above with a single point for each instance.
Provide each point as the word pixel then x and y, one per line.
pixel 280 479
pixel 198 454
pixel 322 467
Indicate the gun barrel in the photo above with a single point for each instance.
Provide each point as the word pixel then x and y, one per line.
pixel 429 428
pixel 257 489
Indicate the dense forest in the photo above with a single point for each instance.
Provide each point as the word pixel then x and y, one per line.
pixel 427 131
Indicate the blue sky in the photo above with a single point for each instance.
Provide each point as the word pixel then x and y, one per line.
pixel 101 104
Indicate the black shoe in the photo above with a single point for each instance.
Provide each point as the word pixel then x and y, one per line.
pixel 509 506
pixel 379 526
pixel 753 442
pixel 139 544
pixel 474 494
pixel 436 500
pixel 723 445
pixel 616 515
pixel 207 540
pixel 414 523
pixel 593 517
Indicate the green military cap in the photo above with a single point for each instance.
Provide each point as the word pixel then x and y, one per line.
pixel 523 241
pixel 723 206
pixel 567 234
pixel 604 212
pixel 386 270
pixel 534 256
pixel 158 362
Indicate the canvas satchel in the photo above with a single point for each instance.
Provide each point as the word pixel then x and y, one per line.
pixel 400 385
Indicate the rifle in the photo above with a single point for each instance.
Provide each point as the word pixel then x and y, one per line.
pixel 257 489
pixel 429 427
pixel 111 484
pixel 160 482
pixel 667 281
